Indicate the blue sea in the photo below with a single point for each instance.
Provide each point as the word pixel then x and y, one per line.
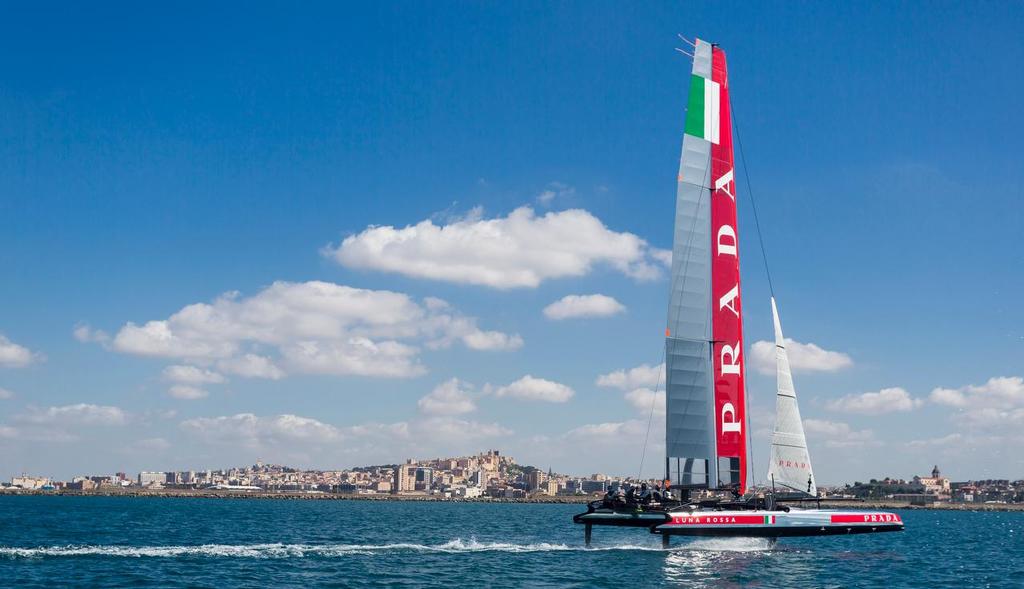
pixel 48 541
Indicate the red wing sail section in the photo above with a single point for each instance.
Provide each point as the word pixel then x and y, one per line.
pixel 727 325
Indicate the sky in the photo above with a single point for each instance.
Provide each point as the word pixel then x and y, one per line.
pixel 336 235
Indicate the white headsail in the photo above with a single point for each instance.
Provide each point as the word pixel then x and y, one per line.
pixel 790 468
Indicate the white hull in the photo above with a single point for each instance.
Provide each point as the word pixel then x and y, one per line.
pixel 774 524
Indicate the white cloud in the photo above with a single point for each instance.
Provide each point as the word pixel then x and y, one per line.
pixel 459 430
pixel 802 357
pixel 77 414
pixel 448 398
pixel 951 439
pixel 254 431
pixel 998 402
pixel 644 375
pixel 13 355
pixel 837 434
pixel 357 355
pixel 950 397
pixel 284 434
pixel 595 305
pixel 613 431
pixel 554 190
pixel 153 444
pixel 187 392
pixel 86 334
pixel 251 366
pixel 518 251
pixel 192 375
pixel 492 340
pixel 316 327
pixel 645 401
pixel 536 389
pixel 6 394
pixel 888 400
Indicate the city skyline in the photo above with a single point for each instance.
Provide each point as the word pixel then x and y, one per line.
pixel 252 244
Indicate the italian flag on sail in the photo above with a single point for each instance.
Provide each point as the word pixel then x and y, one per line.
pixel 702 112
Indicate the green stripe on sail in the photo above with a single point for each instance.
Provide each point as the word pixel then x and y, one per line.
pixel 695 110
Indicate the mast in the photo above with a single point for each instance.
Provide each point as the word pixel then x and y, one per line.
pixel 706 417
pixel 790 464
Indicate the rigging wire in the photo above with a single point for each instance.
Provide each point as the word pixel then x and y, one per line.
pixel 750 193
pixel 764 258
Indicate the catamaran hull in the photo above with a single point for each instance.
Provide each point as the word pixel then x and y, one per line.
pixel 778 524
pixel 608 517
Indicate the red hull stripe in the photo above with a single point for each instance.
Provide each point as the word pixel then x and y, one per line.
pixel 866 518
pixel 722 520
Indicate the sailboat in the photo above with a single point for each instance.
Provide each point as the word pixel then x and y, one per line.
pixel 706 416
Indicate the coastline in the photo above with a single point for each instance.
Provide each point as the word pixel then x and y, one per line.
pixel 567 500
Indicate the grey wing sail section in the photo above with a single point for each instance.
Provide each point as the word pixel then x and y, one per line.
pixel 689 430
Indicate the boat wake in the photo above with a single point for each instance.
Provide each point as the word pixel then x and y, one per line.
pixel 279 550
pixel 729 545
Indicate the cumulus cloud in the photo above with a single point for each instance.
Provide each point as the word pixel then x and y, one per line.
pixel 192 375
pixel 251 366
pixel 5 394
pixel 609 430
pixel 554 190
pixel 888 400
pixel 356 355
pixel 451 397
pixel 645 401
pixel 187 392
pixel 947 440
pixel 13 355
pixel 252 431
pixel 998 402
pixel 644 375
pixel 459 430
pixel 802 357
pixel 492 340
pixel 153 444
pixel 520 250
pixel 595 305
pixel 387 441
pixel 77 414
pixel 837 434
pixel 316 328
pixel 84 333
pixel 536 389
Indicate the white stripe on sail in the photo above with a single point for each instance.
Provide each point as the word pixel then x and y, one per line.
pixel 711 110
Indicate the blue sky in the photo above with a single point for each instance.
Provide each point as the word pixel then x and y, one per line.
pixel 152 160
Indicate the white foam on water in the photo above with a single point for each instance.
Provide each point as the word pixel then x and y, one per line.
pixel 278 550
pixel 730 544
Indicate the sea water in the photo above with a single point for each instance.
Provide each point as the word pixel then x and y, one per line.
pixel 48 541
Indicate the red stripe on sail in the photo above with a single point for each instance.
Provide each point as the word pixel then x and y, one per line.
pixel 727 326
pixel 866 518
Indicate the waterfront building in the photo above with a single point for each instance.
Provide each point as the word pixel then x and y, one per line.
pixel 30 483
pixel 551 487
pixel 534 479
pixel 150 479
pixel 405 478
pixel 424 479
pixel 935 484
